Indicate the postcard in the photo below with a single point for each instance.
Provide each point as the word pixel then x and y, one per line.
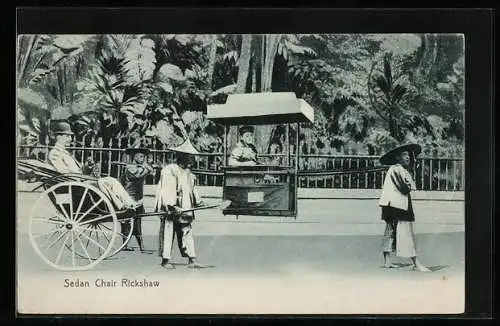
pixel 240 173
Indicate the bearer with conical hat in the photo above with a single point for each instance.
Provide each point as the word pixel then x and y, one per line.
pixel 396 204
pixel 175 192
pixel 132 178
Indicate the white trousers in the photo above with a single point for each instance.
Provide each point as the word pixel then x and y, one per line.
pixel 185 239
pixel 400 237
pixel 405 240
pixel 115 192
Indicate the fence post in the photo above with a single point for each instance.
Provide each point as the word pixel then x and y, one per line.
pixel 224 153
pixel 120 157
pixel 431 174
pixel 110 143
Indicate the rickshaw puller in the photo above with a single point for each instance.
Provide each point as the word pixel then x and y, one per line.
pixel 176 191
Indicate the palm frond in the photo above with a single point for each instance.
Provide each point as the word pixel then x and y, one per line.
pixel 382 83
pixel 397 93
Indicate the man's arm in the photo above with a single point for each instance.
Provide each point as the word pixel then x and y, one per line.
pixel 402 180
pixel 57 161
pixel 90 167
pixel 238 158
pixel 235 157
pixel 196 194
pixel 137 171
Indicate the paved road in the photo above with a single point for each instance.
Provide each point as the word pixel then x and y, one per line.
pixel 326 261
pixel 315 217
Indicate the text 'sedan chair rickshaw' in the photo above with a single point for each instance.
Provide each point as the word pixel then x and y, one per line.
pixel 248 187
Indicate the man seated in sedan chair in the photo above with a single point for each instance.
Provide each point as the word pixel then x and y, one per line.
pixel 244 152
pixel 64 162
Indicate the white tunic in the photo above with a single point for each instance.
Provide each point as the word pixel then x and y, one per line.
pixel 176 188
pixel 391 195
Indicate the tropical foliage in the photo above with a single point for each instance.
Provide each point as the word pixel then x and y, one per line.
pixel 369 91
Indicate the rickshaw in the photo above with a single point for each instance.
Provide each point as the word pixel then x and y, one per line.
pixel 73 225
pixel 261 190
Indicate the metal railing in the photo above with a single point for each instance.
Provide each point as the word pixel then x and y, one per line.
pixel 315 171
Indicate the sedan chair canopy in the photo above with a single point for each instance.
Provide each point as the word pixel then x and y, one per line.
pixel 261 109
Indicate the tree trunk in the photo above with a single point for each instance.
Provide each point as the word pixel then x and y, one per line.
pixel 257 59
pixel 254 76
pixel 419 58
pixel 241 83
pixel 244 63
pixel 26 59
pixel 269 48
pixel 434 49
pixel 211 61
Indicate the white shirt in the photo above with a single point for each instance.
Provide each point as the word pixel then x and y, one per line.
pixel 63 161
pixel 176 187
pixel 391 194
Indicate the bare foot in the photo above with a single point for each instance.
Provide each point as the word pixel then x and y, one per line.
pixel 420 268
pixel 168 266
pixel 196 265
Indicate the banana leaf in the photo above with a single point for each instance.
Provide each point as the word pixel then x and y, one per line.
pixel 29 100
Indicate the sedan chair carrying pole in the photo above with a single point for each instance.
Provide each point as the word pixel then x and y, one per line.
pixel 296 167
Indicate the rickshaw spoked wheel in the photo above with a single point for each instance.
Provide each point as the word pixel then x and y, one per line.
pixel 123 235
pixel 66 226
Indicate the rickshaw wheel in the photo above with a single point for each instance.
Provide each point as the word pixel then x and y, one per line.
pixel 64 218
pixel 121 240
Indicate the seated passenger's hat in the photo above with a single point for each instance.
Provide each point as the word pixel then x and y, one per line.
pixel 61 127
pixel 245 129
pixel 390 157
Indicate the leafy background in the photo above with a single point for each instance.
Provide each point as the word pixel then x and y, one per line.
pixel 369 92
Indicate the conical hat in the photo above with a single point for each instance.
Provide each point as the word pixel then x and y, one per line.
pixel 390 157
pixel 186 148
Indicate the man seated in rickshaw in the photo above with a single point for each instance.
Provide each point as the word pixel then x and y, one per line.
pixel 64 162
pixel 244 153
